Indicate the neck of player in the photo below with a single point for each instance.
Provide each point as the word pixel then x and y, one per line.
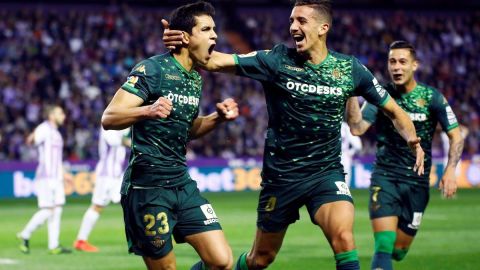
pixel 407 87
pixel 183 57
pixel 318 54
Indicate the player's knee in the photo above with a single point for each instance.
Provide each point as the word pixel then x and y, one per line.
pixel 263 259
pixel 223 262
pixel 97 208
pixel 399 254
pixel 342 241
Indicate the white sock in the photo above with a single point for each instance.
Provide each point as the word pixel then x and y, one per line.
pixel 88 222
pixel 54 228
pixel 35 222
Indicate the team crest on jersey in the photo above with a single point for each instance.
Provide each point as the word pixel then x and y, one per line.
pixel 158 242
pixel 421 102
pixel 141 69
pixel 132 80
pixel 336 74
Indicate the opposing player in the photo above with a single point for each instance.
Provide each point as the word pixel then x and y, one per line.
pixel 160 100
pixel 350 146
pixel 48 181
pixel 306 89
pixel 398 197
pixel 109 172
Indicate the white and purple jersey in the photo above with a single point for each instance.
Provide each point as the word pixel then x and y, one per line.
pixel 111 153
pixel 49 142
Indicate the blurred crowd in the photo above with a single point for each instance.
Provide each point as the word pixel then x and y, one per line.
pixel 78 56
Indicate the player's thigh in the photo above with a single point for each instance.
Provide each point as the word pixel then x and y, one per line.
pixel 101 191
pixel 168 262
pixel 335 218
pixel 46 193
pixel 149 221
pixel 384 224
pixel 212 247
pixel 403 240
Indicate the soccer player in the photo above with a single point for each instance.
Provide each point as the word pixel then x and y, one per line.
pixel 109 172
pixel 306 89
pixel 398 197
pixel 350 145
pixel 160 100
pixel 48 181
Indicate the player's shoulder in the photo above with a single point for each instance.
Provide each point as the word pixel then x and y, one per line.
pixel 428 88
pixel 151 65
pixel 342 57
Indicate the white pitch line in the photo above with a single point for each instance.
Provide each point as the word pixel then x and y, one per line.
pixel 7 261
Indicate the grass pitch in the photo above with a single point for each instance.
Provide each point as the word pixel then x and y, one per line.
pixel 449 237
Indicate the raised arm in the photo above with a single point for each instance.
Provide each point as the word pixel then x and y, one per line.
pixel 226 111
pixel 125 109
pixel 406 129
pixel 358 126
pixel 448 183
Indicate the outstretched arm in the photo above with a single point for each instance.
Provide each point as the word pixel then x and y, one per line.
pixel 226 111
pixel 219 62
pixel 406 129
pixel 125 109
pixel 358 126
pixel 448 183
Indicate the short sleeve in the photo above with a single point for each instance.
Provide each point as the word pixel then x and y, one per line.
pixel 40 134
pixel 259 65
pixel 367 86
pixel 142 79
pixel 369 112
pixel 443 112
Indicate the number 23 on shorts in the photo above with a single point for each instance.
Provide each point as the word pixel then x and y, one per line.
pixel 150 221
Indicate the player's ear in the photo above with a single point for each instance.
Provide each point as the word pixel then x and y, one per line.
pixel 323 29
pixel 186 38
pixel 415 65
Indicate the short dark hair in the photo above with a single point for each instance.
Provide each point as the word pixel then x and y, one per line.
pixel 183 17
pixel 402 44
pixel 323 7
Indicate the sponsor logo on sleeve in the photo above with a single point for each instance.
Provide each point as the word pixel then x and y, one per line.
pixel 450 116
pixel 141 69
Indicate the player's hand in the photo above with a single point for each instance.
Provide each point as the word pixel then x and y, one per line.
pixel 417 150
pixel 448 183
pixel 160 109
pixel 172 38
pixel 227 110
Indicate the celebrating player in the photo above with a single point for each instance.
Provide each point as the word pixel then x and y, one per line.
pixel 306 90
pixel 109 172
pixel 48 181
pixel 160 100
pixel 398 197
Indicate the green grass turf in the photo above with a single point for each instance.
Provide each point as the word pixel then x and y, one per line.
pixel 449 237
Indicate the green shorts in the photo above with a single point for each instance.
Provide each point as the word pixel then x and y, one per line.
pixel 279 205
pixel 152 215
pixel 390 197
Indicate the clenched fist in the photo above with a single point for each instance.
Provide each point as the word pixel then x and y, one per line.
pixel 227 110
pixel 160 109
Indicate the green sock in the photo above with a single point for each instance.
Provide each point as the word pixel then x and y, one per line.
pixel 346 257
pixel 384 241
pixel 399 254
pixel 242 262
